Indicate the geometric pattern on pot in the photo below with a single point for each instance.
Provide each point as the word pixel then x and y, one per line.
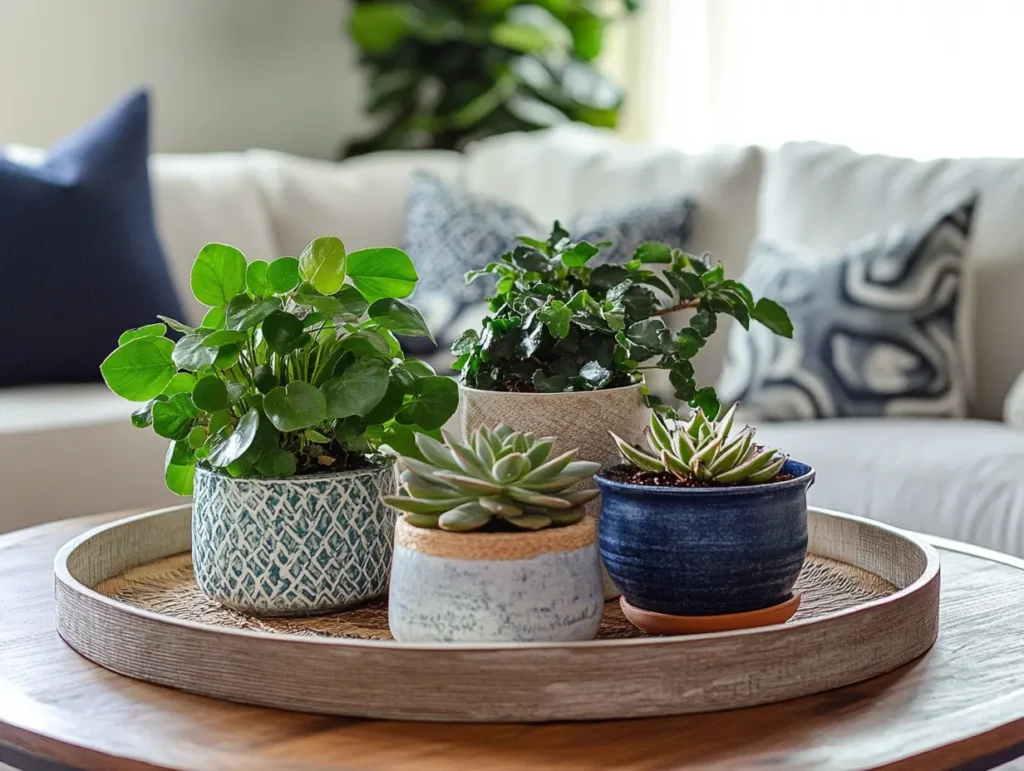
pixel 449 231
pixel 293 546
pixel 877 329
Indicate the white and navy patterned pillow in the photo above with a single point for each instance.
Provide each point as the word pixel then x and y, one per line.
pixel 874 330
pixel 449 232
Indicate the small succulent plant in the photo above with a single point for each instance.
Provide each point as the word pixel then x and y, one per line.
pixel 703 449
pixel 500 473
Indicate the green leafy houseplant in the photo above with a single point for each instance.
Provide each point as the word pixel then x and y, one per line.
pixel 556 324
pixel 499 476
pixel 295 369
pixel 704 450
pixel 444 72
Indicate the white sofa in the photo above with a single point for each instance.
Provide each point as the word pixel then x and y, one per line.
pixel 67 451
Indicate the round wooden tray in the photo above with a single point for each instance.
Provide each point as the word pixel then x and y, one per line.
pixel 126 600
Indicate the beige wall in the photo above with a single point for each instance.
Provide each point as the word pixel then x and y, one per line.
pixel 225 74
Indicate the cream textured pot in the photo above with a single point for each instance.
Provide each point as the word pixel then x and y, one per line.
pixel 297 546
pixel 578 418
pixel 539 586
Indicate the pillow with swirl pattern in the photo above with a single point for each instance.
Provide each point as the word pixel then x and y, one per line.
pixel 877 328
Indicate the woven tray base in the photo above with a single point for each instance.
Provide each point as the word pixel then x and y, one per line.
pixel 167 587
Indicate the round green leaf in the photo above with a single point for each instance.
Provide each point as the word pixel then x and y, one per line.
pixel 322 264
pixel 190 354
pixel 437 400
pixel 150 330
pixel 182 383
pixel 218 274
pixel 140 369
pixel 210 394
pixel 282 332
pixel 256 278
pixel 173 419
pixel 388 406
pixel 358 390
pixel 245 313
pixel 143 416
pixel 225 450
pixel 378 27
pixel 224 337
pixel 399 317
pixel 276 464
pixel 197 437
pixel 352 301
pixel 218 421
pixel 179 468
pixel 265 379
pixel 525 38
pixel 283 274
pixel 380 273
pixel 295 406
pixel 227 356
pixel 214 318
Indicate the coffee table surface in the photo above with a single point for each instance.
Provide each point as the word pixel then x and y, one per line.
pixel 962 704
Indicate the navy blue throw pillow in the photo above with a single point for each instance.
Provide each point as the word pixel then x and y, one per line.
pixel 80 261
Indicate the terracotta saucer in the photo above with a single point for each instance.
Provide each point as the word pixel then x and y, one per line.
pixel 662 623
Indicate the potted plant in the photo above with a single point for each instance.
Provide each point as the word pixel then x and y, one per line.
pixel 492 547
pixel 565 346
pixel 276 406
pixel 707 523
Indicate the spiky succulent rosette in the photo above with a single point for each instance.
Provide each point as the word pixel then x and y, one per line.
pixel 500 473
pixel 704 450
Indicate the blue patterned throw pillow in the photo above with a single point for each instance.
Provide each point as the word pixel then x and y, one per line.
pixel 875 328
pixel 449 232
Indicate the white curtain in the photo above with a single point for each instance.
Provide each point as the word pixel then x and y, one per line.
pixel 921 78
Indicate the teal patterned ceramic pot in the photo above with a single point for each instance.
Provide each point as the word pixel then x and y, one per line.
pixel 290 547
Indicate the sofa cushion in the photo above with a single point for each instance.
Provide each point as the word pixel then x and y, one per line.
pixel 361 200
pixel 204 198
pixel 85 431
pixel 563 171
pixel 957 479
pixel 79 252
pixel 449 232
pixel 822 197
pixel 874 327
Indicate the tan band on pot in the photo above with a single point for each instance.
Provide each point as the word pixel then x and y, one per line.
pixel 496 546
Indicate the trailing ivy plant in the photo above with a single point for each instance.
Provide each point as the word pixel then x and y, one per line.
pixel 556 324
pixel 295 369
pixel 445 72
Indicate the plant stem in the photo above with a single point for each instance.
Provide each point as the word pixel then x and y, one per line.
pixel 693 303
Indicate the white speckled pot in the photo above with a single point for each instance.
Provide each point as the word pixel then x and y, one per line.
pixel 542 586
pixel 292 547
pixel 578 418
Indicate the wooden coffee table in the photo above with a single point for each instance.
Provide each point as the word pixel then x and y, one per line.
pixel 959 706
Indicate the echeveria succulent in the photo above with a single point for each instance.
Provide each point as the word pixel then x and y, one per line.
pixel 705 450
pixel 502 474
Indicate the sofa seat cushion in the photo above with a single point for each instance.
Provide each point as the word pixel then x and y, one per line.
pixel 68 451
pixel 955 479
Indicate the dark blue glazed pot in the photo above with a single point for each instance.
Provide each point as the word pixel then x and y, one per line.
pixel 705 551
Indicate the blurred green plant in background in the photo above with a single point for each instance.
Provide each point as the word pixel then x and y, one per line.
pixel 446 72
